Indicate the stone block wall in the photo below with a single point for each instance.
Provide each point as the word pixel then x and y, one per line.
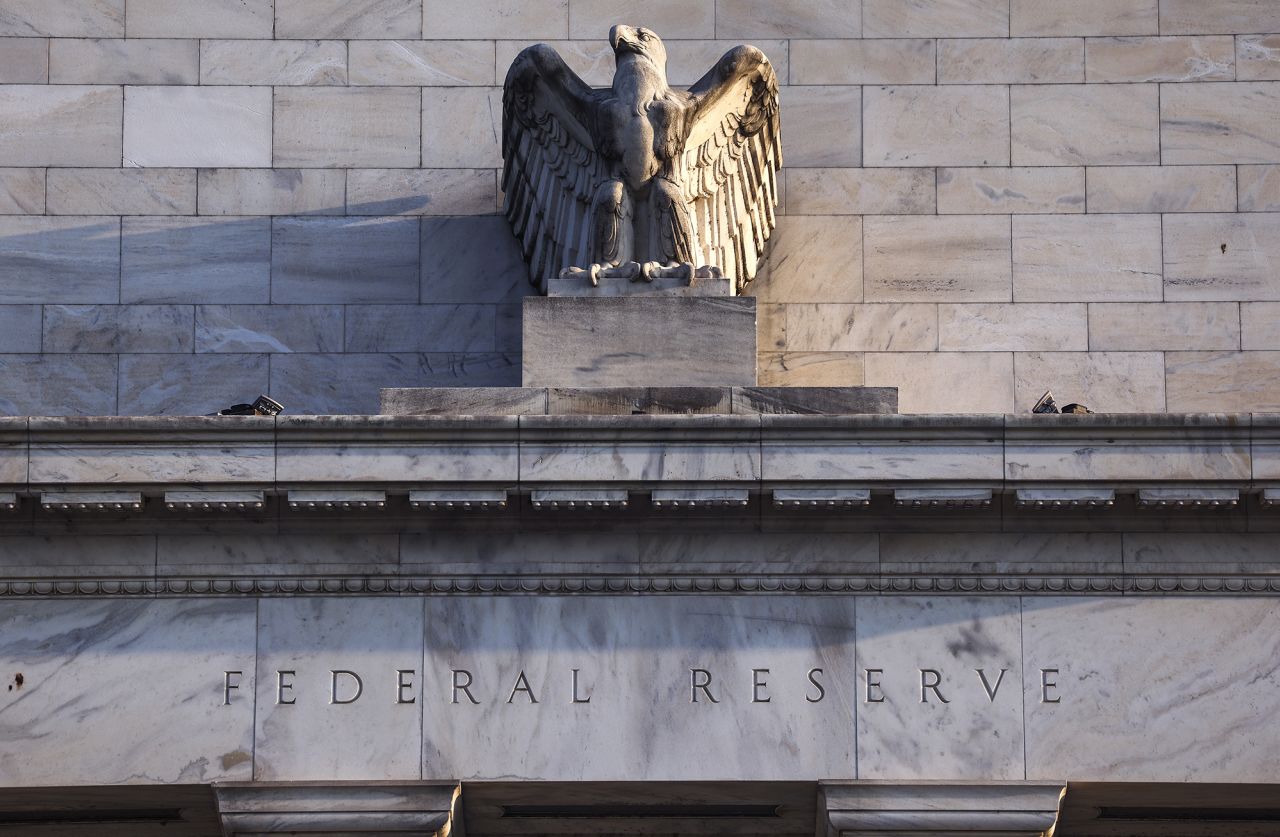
pixel 201 200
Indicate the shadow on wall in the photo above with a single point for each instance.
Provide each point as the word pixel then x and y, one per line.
pixel 173 315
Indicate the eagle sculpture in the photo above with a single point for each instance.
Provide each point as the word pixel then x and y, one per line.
pixel 639 180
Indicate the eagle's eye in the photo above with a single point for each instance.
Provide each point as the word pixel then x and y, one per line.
pixel 644 36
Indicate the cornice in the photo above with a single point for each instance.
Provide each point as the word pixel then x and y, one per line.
pixel 1202 457
pixel 602 585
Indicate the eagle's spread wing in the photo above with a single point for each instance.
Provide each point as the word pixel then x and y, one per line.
pixel 731 161
pixel 551 165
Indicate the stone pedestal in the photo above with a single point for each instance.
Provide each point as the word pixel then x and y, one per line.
pixel 624 401
pixel 354 810
pixel 882 809
pixel 639 341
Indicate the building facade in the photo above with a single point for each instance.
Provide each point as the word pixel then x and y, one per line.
pixel 729 610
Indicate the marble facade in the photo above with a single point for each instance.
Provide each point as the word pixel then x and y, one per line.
pixel 377 624
pixel 783 688
pixel 1034 167
pixel 682 584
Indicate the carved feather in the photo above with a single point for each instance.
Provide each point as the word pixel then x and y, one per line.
pixel 550 166
pixel 732 159
pixel 719 143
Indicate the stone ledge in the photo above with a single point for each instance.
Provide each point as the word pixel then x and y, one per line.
pixel 1000 453
pixel 622 401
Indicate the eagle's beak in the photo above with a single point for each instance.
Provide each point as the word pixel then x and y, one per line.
pixel 623 37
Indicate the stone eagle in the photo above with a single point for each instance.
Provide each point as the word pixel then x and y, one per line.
pixel 638 179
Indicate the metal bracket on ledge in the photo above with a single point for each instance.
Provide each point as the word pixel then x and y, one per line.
pixel 343 499
pixel 957 498
pixel 92 501
pixel 214 500
pixel 799 498
pixel 1058 498
pixel 1194 497
pixel 699 497
pixel 458 499
pixel 578 498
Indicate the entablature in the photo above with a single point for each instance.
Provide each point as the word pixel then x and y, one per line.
pixel 787 461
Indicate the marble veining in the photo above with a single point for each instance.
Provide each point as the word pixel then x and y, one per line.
pixel 318 724
pixel 949 704
pixel 1162 690
pixel 634 660
pixel 124 692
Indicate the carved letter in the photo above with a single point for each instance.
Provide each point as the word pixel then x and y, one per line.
pixel 458 686
pixel 333 686
pixel 227 685
pixel 757 684
pixel 574 690
pixel 821 691
pixel 522 685
pixel 281 686
pixel 1046 684
pixel 401 685
pixel 991 690
pixel 704 685
pixel 874 684
pixel 927 674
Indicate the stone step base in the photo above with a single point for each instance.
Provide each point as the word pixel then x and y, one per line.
pixel 614 401
pixel 639 341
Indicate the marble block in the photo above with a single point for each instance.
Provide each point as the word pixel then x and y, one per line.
pixel 428 63
pixel 1166 59
pixel 1219 123
pixel 119 61
pixel 348 19
pixel 618 286
pixel 320 449
pixel 529 20
pixel 349 717
pixel 871 449
pixel 335 127
pixel 639 341
pixel 22 191
pixel 276 191
pixel 636 661
pixel 285 63
pixel 201 127
pixel 1086 124
pixel 196 450
pixel 1048 448
pixel 1164 690
pixel 638 449
pixel 953 125
pixel 955 711
pixel 1026 191
pixel 85 19
pixel 1010 60
pixel 125 692
pixel 815 400
pixel 1039 18
pixel 773 19
pixel 620 401
pixel 131 191
pixel 201 18
pixel 50 260
pixel 62 125
pixel 934 18
pixel 24 60
pixel 463 401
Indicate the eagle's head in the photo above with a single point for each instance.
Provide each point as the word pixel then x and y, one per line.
pixel 640 41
